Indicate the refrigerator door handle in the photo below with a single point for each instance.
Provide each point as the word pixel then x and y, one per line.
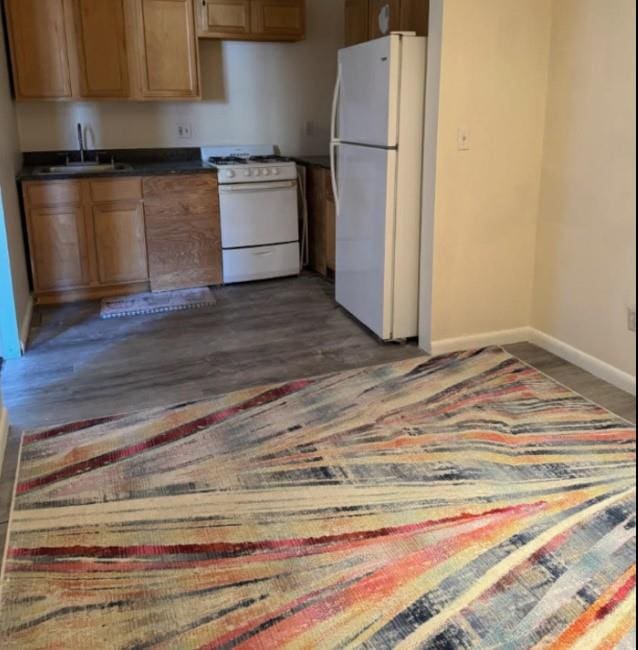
pixel 334 141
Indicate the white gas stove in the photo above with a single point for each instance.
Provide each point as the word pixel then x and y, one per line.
pixel 258 198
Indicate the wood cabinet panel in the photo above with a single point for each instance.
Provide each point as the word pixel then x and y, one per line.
pixel 415 16
pixel 120 242
pixel 225 18
pixel 102 48
pixel 356 22
pixel 182 231
pixel 58 247
pixel 112 189
pixel 52 193
pixel 278 19
pixel 39 48
pixel 159 186
pixel 167 49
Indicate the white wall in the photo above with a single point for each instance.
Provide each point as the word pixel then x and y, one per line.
pixel 493 77
pixel 586 264
pixel 11 222
pixel 254 93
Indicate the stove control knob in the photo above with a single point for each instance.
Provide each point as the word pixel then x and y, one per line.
pixel 275 172
pixel 248 173
pixel 266 172
pixel 230 173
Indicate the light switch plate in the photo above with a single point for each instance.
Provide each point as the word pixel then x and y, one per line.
pixel 631 312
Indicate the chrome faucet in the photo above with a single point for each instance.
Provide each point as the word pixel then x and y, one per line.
pixel 81 143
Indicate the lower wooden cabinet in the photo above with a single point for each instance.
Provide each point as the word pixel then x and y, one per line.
pixel 59 251
pixel 254 20
pixel 93 238
pixel 120 242
pixel 86 237
pixel 321 221
pixel 183 231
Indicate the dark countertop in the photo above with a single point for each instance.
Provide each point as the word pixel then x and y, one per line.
pixel 143 162
pixel 318 161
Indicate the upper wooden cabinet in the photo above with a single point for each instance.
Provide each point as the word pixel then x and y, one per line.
pixel 364 18
pixel 224 18
pixel 167 49
pixel 39 40
pixel 357 18
pixel 103 49
pixel 255 20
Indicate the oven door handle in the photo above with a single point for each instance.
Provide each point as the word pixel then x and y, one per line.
pixel 258 187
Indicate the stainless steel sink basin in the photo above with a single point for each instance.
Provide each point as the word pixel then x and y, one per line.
pixel 83 168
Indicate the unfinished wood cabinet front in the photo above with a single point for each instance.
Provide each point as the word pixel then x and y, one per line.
pixel 225 18
pixel 183 231
pixel 321 220
pixel 120 242
pixel 167 52
pixel 103 62
pixel 38 38
pixel 278 19
pixel 356 22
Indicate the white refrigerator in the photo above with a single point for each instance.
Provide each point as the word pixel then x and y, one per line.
pixel 377 162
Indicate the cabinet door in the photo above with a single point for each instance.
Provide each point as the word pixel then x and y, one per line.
pixel 39 49
pixel 224 18
pixel 356 21
pixel 390 9
pixel 167 49
pixel 120 242
pixel 183 231
pixel 415 16
pixel 278 20
pixel 57 237
pixel 102 49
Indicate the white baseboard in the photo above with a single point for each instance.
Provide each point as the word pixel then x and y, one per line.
pixel 25 325
pixel 595 366
pixel 4 433
pixel 502 337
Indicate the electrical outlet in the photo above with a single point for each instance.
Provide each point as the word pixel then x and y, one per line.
pixel 632 319
pixel 184 131
pixel 463 139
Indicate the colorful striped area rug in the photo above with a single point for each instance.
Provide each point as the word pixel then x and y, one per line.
pixel 465 501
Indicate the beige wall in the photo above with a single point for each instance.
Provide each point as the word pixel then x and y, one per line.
pixel 254 93
pixel 9 164
pixel 586 263
pixel 493 79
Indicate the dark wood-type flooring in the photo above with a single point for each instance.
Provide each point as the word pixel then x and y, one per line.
pixel 79 366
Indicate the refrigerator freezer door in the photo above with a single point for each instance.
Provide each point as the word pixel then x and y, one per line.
pixel 365 236
pixel 369 92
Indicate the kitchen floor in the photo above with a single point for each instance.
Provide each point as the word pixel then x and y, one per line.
pixel 79 366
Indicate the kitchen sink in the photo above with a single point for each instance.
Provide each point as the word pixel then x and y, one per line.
pixel 83 168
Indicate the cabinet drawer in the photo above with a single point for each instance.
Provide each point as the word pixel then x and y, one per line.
pixel 122 189
pixel 153 185
pixel 49 193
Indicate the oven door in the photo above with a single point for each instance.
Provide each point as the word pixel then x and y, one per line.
pixel 259 214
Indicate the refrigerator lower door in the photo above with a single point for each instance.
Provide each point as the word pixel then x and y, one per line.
pixel 365 235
